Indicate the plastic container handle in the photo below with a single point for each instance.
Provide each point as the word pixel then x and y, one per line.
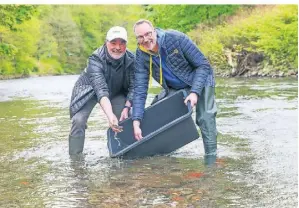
pixel 189 105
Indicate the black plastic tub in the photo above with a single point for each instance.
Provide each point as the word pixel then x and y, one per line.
pixel 166 126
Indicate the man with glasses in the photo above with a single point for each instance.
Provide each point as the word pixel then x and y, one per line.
pixel 175 62
pixel 107 80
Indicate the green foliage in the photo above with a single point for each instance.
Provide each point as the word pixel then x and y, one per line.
pixel 49 66
pixel 6 67
pixel 185 17
pixel 17 47
pixel 24 65
pixel 95 21
pixel 272 30
pixel 282 44
pixel 11 15
pixel 67 37
pixel 7 49
pixel 57 39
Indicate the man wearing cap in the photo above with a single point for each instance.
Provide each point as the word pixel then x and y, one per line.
pixel 107 80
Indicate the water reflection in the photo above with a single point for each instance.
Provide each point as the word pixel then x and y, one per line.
pixel 21 121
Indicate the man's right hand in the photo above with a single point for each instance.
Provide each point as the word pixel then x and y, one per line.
pixel 137 130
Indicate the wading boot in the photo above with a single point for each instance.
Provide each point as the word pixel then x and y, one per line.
pixel 76 145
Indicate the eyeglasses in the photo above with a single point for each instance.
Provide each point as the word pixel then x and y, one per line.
pixel 140 38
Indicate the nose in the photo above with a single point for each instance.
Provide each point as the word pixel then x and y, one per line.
pixel 146 38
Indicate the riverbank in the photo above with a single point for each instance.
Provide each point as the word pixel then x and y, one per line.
pixel 257 41
pixel 251 69
pixel 20 76
pixel 219 73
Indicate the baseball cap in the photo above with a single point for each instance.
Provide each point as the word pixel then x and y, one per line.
pixel 117 32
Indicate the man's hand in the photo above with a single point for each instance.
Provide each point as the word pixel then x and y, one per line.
pixel 192 97
pixel 113 123
pixel 137 130
pixel 124 114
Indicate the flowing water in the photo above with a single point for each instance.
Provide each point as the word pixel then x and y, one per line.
pixel 257 164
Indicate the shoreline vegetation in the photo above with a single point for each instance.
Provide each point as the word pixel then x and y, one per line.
pixel 238 40
pixel 260 41
pixel 290 74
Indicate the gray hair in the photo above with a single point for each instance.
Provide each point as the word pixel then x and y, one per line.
pixel 141 21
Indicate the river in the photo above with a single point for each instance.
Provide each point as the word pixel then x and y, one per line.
pixel 257 164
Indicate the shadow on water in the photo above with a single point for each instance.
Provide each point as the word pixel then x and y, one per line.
pixel 255 165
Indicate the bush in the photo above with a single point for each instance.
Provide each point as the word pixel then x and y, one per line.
pixel 272 30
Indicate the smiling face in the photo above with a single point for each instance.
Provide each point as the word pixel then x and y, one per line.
pixel 146 36
pixel 116 48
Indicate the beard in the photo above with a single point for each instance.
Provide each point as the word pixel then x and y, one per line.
pixel 116 55
pixel 149 45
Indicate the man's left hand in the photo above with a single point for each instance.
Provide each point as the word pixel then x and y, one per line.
pixel 192 97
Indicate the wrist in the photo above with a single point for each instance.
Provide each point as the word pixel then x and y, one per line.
pixel 110 116
pixel 194 94
pixel 127 107
pixel 136 123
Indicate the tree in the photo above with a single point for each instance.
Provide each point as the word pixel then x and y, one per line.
pixel 186 17
pixel 11 15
